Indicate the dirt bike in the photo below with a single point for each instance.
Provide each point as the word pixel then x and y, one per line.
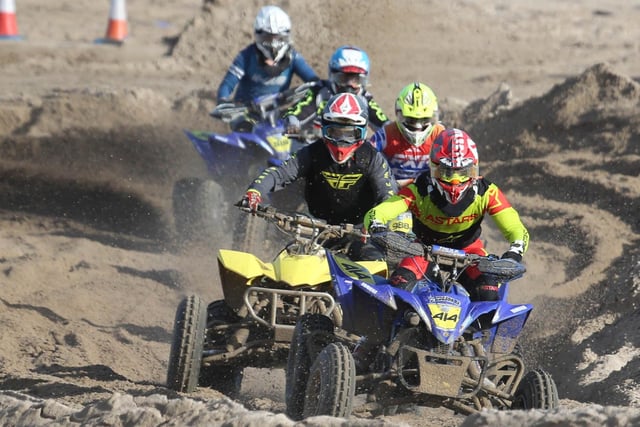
pixel 234 159
pixel 253 325
pixel 434 346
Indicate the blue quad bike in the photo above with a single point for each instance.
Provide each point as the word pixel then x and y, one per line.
pixel 434 347
pixel 201 207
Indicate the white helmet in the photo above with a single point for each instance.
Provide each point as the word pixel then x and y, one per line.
pixel 272 30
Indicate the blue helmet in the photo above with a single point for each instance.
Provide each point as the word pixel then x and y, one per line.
pixel 349 70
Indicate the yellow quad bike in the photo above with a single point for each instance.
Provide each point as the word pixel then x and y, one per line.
pixel 253 325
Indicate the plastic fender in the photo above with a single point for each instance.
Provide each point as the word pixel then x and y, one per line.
pixel 257 137
pixel 234 139
pixel 448 314
pixel 297 270
pixel 505 310
pixel 200 141
pixel 273 139
pixel 378 269
pixel 244 264
pixel 383 293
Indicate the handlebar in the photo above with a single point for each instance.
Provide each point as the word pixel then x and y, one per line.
pixel 304 225
pixel 262 105
pixel 492 265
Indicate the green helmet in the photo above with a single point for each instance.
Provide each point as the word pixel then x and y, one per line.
pixel 416 112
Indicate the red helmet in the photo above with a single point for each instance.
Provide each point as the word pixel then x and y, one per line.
pixel 344 125
pixel 454 164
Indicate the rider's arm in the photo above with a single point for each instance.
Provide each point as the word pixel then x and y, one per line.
pixel 387 210
pixel 231 79
pixel 302 69
pixel 382 182
pixel 278 177
pixel 507 218
pixel 377 117
pixel 305 109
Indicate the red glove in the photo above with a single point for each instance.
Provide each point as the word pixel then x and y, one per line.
pixel 252 200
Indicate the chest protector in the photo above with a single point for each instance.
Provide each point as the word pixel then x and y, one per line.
pixel 340 193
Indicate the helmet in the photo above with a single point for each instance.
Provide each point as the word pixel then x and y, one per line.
pixel 272 31
pixel 349 70
pixel 416 112
pixel 453 164
pixel 344 125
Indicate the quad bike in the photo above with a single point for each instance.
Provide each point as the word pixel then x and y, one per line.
pixel 434 347
pixel 253 325
pixel 234 159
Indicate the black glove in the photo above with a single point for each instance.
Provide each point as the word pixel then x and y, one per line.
pixel 512 255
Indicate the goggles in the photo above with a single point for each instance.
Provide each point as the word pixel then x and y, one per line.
pixel 343 135
pixel 417 125
pixel 264 37
pixel 349 79
pixel 272 41
pixel 455 175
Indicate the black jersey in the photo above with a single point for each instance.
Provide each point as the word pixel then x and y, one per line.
pixel 337 193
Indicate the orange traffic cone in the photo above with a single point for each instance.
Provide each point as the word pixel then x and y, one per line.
pixel 117 29
pixel 8 23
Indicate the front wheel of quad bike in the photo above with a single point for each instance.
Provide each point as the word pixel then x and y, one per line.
pixel 186 348
pixel 331 385
pixel 199 209
pixel 311 334
pixel 537 390
pixel 225 378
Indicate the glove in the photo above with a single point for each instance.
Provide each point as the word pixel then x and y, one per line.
pixel 292 125
pixel 515 251
pixel 512 255
pixel 251 200
pixel 377 227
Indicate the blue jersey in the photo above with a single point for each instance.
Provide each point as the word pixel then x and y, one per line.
pixel 252 80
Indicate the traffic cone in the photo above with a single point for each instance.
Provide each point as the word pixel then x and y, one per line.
pixel 117 29
pixel 8 23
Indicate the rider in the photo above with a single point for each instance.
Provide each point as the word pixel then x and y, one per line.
pixel 449 204
pixel 266 66
pixel 348 72
pixel 406 143
pixel 344 176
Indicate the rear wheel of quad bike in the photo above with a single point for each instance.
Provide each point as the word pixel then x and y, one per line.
pixel 186 348
pixel 225 378
pixel 331 385
pixel 537 390
pixel 199 209
pixel 312 330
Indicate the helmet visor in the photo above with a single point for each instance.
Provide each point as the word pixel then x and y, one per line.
pixel 272 43
pixel 455 175
pixel 417 125
pixel 343 135
pixel 352 80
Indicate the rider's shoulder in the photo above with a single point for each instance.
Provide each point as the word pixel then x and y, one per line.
pixel 368 96
pixel 483 185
